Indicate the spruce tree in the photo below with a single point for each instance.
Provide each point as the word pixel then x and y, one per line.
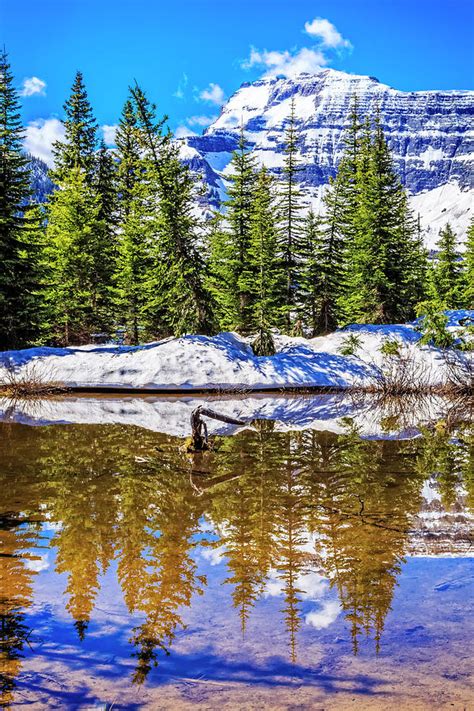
pixel 135 260
pixel 447 271
pixel 177 283
pixel 332 238
pixel 266 264
pixel 291 225
pixel 135 205
pixel 20 250
pixel 385 252
pixel 469 268
pixel 77 150
pixel 74 231
pixel 233 274
pixel 130 165
pixel 82 253
pixel 310 279
pixel 104 184
pixel 179 301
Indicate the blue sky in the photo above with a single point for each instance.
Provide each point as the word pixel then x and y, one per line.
pixel 191 54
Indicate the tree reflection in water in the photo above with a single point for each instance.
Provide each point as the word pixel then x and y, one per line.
pixel 280 505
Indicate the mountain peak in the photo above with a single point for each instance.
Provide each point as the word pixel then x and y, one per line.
pixel 429 133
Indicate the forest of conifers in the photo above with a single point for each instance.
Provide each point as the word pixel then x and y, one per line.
pixel 123 243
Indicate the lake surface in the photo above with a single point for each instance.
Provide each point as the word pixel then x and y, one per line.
pixel 286 568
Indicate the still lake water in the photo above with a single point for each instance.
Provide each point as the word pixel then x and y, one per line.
pixel 284 569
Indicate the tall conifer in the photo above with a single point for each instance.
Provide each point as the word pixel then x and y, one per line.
pixel 77 150
pixel 179 300
pixel 469 268
pixel 266 264
pixel 233 274
pixel 291 225
pixel 19 245
pixel 447 270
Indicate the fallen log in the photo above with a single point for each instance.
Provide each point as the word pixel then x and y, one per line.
pixel 199 435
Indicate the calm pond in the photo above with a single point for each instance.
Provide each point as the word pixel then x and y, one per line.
pixel 290 567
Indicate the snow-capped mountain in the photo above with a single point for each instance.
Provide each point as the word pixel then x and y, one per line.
pixel 40 182
pixel 430 134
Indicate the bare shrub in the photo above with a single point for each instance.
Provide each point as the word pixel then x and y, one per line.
pixel 27 381
pixel 401 373
pixel 460 371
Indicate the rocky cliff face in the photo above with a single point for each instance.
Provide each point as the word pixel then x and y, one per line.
pixel 430 134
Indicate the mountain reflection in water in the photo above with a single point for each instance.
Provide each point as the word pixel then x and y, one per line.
pixel 280 510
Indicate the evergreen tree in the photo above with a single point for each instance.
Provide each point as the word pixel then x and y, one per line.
pixel 233 272
pixel 385 255
pixel 135 258
pixel 268 284
pixel 74 235
pixel 130 165
pixel 447 271
pixel 291 227
pixel 179 302
pixel 104 183
pixel 136 205
pixel 77 150
pixel 177 282
pixel 83 242
pixel 328 241
pixel 20 249
pixel 469 268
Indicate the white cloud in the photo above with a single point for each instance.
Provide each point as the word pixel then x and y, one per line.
pixel 40 136
pixel 179 93
pixel 184 132
pixel 286 63
pixel 214 94
pixel 200 120
pixel 215 556
pixel 33 86
pixel 109 131
pixel 312 585
pixel 326 33
pixel 310 60
pixel 325 616
pixel 38 563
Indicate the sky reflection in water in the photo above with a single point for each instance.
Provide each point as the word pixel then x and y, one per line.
pixel 278 562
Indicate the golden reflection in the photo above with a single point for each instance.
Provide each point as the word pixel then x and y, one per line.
pixel 280 505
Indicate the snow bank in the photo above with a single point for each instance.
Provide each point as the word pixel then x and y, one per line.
pixel 227 362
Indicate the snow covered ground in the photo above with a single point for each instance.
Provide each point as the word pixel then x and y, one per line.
pixel 226 362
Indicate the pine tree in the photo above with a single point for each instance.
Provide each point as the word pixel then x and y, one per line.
pixel 136 204
pixel 291 220
pixel 130 165
pixel 178 278
pixel 81 227
pixel 104 183
pixel 135 258
pixel 77 150
pixel 310 280
pixel 268 284
pixel 385 253
pixel 20 253
pixel 179 301
pixel 74 247
pixel 447 271
pixel 469 268
pixel 233 275
pixel 331 239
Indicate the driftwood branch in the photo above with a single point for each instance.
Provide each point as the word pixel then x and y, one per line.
pixel 199 436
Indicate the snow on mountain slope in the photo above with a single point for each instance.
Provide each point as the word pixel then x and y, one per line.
pixel 430 134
